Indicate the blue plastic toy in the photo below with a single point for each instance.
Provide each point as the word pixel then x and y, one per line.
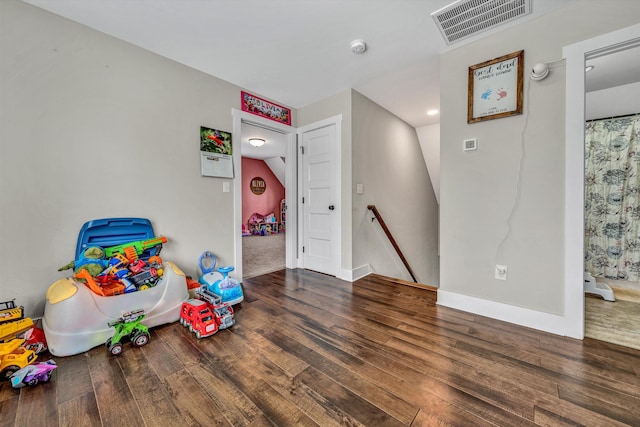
pixel 218 281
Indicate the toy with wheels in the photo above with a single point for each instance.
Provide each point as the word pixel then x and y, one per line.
pixel 128 327
pixel 76 318
pixel 13 357
pixel 219 282
pixel 33 374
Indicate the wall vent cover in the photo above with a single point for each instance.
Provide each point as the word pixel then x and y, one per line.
pixel 466 18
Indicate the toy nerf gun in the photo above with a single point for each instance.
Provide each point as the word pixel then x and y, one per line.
pixel 132 250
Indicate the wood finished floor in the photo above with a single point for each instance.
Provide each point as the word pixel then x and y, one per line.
pixel 616 322
pixel 308 349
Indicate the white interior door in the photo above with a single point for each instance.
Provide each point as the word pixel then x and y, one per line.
pixel 320 209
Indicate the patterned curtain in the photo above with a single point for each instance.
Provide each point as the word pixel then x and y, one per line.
pixel 612 198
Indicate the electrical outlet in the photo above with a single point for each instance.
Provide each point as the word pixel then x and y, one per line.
pixel 501 272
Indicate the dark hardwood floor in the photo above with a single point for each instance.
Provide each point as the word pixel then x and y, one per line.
pixel 308 349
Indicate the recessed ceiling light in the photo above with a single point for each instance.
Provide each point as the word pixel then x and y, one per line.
pixel 432 112
pixel 256 142
pixel 588 68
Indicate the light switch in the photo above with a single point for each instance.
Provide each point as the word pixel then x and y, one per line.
pixel 225 186
pixel 359 189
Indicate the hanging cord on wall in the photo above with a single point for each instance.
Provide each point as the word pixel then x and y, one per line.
pixel 516 199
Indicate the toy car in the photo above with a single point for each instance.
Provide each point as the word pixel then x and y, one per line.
pixel 206 314
pixel 33 374
pixel 13 357
pixel 128 327
pixel 198 317
pixel 224 315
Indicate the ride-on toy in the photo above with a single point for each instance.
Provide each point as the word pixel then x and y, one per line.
pixel 128 326
pixel 219 282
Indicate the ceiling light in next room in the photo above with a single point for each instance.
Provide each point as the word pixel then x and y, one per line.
pixel 432 112
pixel 588 68
pixel 256 142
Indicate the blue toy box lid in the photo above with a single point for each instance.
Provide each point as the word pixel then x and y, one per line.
pixel 113 231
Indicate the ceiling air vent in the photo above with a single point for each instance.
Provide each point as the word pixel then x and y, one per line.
pixel 466 18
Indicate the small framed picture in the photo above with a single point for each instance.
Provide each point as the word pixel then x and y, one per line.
pixel 495 88
pixel 258 185
pixel 263 108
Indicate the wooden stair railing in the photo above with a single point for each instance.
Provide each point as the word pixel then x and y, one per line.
pixel 377 216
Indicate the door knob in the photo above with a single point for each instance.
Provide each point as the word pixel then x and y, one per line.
pixel 331 207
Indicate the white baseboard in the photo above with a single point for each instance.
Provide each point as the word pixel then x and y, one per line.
pixel 356 273
pixel 546 322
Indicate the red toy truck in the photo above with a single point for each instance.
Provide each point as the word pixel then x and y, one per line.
pixel 197 315
pixel 222 311
pixel 206 314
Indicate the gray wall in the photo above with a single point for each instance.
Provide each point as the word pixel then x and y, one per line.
pixel 383 153
pixel 488 215
pixel 93 127
pixel 388 161
pixel 429 137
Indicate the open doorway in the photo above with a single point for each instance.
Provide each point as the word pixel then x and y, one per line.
pixel 612 196
pixel 576 56
pixel 264 222
pixel 247 125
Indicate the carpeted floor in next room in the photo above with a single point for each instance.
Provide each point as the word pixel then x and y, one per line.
pixel 263 254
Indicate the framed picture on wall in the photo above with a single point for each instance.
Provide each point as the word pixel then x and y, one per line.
pixel 258 185
pixel 495 88
pixel 263 108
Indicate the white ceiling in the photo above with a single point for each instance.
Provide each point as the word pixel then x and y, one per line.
pixel 295 52
pixel 614 69
pixel 274 146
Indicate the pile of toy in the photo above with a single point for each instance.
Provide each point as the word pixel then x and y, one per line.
pixel 112 266
pixel 211 308
pixel 20 342
pixel 261 225
pixel 119 269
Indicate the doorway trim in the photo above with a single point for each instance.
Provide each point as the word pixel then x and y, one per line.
pixel 576 55
pixel 290 186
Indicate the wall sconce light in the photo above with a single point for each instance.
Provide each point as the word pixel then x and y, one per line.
pixel 256 142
